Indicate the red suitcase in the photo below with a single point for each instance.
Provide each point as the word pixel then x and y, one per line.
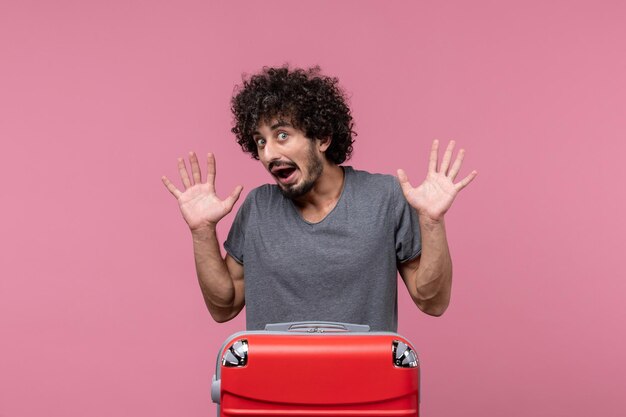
pixel 316 369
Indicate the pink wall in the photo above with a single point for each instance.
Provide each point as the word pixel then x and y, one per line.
pixel 100 311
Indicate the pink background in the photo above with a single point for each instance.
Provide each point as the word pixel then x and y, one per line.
pixel 100 311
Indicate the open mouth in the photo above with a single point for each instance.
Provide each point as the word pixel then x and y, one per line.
pixel 284 174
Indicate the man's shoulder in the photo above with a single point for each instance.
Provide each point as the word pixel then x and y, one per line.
pixel 264 194
pixel 371 179
pixel 265 191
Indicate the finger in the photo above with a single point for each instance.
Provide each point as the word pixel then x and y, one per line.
pixel 465 181
pixel 404 181
pixel 233 197
pixel 447 155
pixel 432 161
pixel 456 166
pixel 195 168
pixel 182 170
pixel 171 187
pixel 210 171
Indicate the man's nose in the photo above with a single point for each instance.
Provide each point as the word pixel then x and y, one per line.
pixel 270 151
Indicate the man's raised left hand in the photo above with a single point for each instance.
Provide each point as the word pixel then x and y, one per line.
pixel 434 197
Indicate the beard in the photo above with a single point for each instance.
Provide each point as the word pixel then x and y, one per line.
pixel 314 168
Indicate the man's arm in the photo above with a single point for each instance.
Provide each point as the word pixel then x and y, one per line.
pixel 429 276
pixel 221 279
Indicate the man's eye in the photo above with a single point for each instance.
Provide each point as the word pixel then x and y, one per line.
pixel 282 136
pixel 260 142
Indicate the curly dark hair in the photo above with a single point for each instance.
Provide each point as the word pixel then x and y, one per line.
pixel 312 102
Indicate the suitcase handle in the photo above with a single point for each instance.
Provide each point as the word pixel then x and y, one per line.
pixel 317 327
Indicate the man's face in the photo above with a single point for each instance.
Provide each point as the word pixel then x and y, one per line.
pixel 294 160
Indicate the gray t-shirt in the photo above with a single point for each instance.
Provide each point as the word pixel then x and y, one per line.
pixel 343 268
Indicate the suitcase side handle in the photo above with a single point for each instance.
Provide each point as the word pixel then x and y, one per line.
pixel 316 327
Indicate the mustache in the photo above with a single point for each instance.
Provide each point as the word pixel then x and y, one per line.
pixel 278 164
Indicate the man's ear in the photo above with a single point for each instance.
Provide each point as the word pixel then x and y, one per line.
pixel 324 144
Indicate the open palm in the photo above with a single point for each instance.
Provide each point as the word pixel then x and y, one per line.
pixel 199 203
pixel 434 197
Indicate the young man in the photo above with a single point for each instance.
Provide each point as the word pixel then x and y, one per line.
pixel 326 241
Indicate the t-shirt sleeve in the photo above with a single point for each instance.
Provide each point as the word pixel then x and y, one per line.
pixel 407 232
pixel 235 241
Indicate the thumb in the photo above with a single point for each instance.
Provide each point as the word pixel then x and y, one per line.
pixel 404 181
pixel 233 197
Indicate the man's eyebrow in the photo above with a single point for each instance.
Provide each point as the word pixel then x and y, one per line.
pixel 280 123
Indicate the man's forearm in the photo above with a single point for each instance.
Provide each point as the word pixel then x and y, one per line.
pixel 433 278
pixel 213 275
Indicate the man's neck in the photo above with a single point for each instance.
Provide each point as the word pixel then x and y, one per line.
pixel 325 193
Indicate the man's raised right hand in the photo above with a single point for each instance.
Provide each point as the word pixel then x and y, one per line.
pixel 199 204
